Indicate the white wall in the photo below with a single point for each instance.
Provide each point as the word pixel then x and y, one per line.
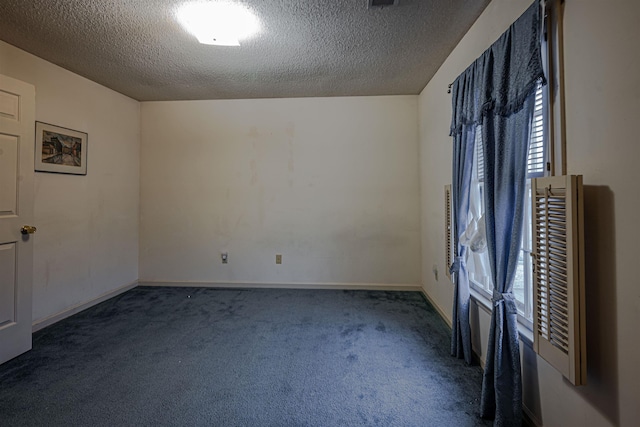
pixel 602 105
pixel 87 239
pixel 329 183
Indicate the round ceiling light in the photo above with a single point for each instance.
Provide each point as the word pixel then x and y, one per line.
pixel 218 23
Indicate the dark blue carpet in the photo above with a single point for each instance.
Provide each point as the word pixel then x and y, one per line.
pixel 244 357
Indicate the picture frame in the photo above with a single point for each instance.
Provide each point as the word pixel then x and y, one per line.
pixel 60 150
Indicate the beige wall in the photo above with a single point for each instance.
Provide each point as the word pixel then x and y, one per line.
pixel 87 239
pixel 329 183
pixel 333 185
pixel 602 105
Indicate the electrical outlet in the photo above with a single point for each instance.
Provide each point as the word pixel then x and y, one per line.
pixel 278 258
pixel 224 256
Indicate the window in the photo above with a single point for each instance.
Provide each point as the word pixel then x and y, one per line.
pixel 478 259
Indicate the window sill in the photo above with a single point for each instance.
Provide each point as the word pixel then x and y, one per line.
pixel 526 334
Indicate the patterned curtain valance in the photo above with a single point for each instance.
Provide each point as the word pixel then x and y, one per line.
pixel 500 80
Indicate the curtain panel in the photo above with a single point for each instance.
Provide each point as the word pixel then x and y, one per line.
pixel 497 91
pixel 463 147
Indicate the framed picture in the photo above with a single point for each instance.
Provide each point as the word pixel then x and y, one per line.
pixel 60 150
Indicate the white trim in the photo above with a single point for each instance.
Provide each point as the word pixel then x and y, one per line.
pixel 483 302
pixel 287 285
pixel 474 353
pixel 529 419
pixel 438 309
pixel 50 320
pixel 480 296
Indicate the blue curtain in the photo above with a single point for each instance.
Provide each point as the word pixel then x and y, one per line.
pixel 506 145
pixel 463 146
pixel 498 91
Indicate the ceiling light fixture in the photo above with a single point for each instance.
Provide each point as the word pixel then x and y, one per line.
pixel 218 23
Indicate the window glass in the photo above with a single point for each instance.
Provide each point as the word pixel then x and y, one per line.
pixel 477 257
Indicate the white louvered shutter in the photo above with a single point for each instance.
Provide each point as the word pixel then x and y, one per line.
pixel 448 228
pixel 558 288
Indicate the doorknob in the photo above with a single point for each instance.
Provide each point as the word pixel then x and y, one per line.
pixel 28 229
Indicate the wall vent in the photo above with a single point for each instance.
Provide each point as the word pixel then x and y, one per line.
pixel 379 4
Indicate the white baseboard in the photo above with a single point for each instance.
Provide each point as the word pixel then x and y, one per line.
pixel 446 319
pixel 50 320
pixel 528 419
pixel 291 285
pixel 434 305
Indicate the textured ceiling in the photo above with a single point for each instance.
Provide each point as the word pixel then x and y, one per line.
pixel 305 48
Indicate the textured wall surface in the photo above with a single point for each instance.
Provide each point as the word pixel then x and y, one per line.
pixel 87 239
pixel 602 106
pixel 329 183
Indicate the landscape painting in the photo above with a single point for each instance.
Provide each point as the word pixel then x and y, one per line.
pixel 60 150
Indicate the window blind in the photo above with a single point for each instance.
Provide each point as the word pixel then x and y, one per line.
pixel 537 159
pixel 479 155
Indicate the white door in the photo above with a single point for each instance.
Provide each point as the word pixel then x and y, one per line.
pixel 17 127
